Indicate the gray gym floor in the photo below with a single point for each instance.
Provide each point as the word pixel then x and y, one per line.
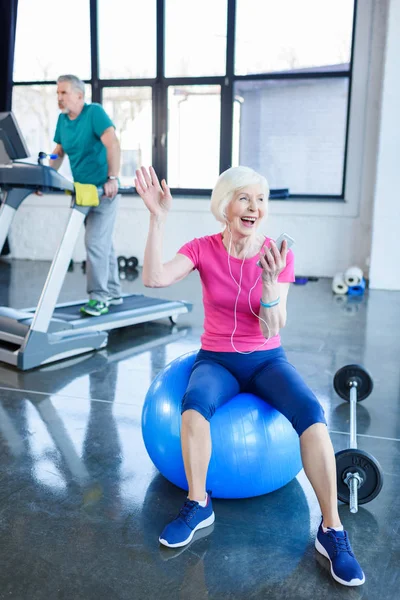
pixel 81 505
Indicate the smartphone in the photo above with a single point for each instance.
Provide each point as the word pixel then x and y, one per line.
pixel 284 236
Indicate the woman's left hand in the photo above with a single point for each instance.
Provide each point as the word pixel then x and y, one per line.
pixel 273 262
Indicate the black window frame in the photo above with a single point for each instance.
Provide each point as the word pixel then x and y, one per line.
pixel 160 85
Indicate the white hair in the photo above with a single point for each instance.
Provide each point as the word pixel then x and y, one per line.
pixel 231 181
pixel 76 83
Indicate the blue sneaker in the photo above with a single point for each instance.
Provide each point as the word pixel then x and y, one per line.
pixel 200 550
pixel 191 518
pixel 336 547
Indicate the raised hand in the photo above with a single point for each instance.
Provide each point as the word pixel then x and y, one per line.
pixel 273 262
pixel 156 197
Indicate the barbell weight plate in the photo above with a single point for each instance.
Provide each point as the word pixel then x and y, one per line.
pixel 354 460
pixel 343 377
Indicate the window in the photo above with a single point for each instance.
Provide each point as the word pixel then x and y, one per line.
pixel 194 88
pixel 127 39
pixel 286 35
pixel 195 39
pixel 36 110
pixel 294 131
pixel 193 135
pixel 52 38
pixel 131 112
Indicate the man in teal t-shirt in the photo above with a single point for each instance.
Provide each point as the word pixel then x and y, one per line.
pixel 87 135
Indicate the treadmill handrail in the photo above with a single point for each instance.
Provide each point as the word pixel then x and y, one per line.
pixel 58 270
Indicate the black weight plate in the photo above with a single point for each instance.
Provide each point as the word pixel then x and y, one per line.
pixel 132 262
pixel 121 262
pixel 354 460
pixel 353 373
pixel 131 274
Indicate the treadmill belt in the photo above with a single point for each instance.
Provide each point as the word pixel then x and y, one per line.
pixel 130 303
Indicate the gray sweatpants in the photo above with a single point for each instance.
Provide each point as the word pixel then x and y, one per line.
pixel 101 263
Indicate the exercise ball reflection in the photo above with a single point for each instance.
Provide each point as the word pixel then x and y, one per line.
pixel 255 450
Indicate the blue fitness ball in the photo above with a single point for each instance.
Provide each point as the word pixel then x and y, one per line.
pixel 255 449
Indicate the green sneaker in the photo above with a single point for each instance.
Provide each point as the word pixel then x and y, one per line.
pixel 95 308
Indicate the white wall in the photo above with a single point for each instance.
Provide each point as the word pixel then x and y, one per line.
pixel 324 244
pixel 385 248
pixel 330 235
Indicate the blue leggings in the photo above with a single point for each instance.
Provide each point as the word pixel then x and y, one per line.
pixel 217 377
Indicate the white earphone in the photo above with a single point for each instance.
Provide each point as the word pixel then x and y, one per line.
pixel 239 284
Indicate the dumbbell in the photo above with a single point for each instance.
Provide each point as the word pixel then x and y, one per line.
pixel 359 475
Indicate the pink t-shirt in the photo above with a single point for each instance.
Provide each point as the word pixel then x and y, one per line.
pixel 210 257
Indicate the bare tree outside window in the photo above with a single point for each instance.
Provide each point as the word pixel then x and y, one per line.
pixel 36 110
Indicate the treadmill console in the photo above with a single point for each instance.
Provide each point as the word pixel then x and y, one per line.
pixel 34 177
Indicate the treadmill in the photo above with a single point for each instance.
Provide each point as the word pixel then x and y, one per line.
pixel 47 333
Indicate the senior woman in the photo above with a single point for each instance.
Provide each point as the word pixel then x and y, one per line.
pixel 245 308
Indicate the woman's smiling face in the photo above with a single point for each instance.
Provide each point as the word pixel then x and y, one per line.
pixel 246 210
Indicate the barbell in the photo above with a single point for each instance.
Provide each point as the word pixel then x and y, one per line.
pixel 359 474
